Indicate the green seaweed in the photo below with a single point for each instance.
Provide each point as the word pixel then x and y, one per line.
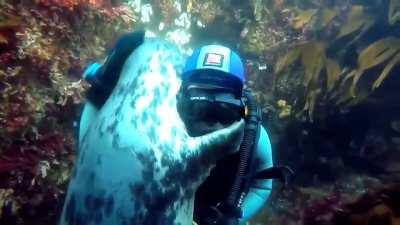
pixel 302 18
pixel 357 20
pixel 394 12
pixel 316 65
pixel 325 76
pixel 377 53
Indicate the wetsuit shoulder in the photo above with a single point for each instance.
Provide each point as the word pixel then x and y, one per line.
pixel 263 154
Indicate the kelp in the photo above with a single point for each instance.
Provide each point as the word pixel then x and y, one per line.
pixel 333 72
pixel 377 53
pixel 383 52
pixel 312 17
pixel 357 20
pixel 327 15
pixel 302 18
pixel 313 59
pixel 394 12
pixel 333 78
pixel 385 72
pixel 311 101
pixel 288 59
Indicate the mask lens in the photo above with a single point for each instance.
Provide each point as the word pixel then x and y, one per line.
pixel 227 113
pixel 199 109
pixel 211 106
pixel 212 112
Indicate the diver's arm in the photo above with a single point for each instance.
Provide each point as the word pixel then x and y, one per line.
pixel 259 189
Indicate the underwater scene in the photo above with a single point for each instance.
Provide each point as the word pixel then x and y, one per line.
pixel 200 112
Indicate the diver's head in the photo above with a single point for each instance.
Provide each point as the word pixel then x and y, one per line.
pixel 210 97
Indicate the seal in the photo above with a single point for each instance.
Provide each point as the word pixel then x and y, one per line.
pixel 136 164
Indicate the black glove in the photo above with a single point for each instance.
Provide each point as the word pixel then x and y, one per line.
pixel 221 214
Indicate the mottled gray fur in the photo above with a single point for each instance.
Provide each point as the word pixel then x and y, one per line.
pixel 136 164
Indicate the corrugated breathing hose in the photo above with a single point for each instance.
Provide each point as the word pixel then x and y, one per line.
pixel 251 135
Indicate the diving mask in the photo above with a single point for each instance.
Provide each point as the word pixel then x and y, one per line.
pixel 211 104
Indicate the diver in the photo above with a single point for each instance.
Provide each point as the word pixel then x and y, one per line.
pixel 211 97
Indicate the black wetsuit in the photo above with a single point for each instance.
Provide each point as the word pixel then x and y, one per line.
pixel 217 186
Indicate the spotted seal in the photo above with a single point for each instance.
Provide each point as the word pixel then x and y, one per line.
pixel 136 164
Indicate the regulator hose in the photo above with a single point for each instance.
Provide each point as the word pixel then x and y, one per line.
pixel 247 147
pixel 228 212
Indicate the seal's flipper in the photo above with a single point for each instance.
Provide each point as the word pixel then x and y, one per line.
pixel 104 79
pixel 213 146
